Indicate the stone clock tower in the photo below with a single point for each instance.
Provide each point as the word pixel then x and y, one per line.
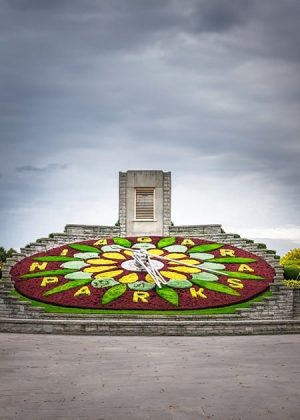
pixel 144 203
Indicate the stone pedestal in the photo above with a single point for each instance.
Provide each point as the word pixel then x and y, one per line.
pixel 129 184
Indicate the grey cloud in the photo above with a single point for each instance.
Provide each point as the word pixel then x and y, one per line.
pixel 212 88
pixel 219 16
pixel 37 169
pixel 270 26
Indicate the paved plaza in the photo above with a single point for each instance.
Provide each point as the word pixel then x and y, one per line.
pixel 166 378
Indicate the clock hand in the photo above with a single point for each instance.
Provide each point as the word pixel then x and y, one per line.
pixel 209 270
pixel 138 257
pixel 156 271
pixel 150 269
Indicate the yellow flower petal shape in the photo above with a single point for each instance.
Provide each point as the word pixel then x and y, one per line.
pixel 130 253
pixel 129 278
pixel 155 251
pixel 100 261
pixel 190 261
pixel 109 274
pixel 98 269
pixel 184 269
pixel 176 256
pixel 174 276
pixel 113 255
pixel 149 279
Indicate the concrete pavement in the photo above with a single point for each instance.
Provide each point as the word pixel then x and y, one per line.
pixel 141 378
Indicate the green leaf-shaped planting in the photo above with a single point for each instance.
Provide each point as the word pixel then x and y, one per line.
pixel 47 273
pixel 67 286
pixel 208 265
pixel 78 275
pixel 162 243
pixel 99 284
pixel 84 248
pixel 168 294
pixel 113 293
pixel 179 284
pixel 141 285
pixel 216 287
pixel 78 265
pixel 206 276
pixel 234 260
pixel 122 242
pixel 56 258
pixel 204 248
pixel 238 275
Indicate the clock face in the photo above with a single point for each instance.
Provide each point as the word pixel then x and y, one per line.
pixel 143 273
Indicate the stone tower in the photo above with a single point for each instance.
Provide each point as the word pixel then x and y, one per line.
pixel 144 203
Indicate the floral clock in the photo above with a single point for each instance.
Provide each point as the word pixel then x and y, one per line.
pixel 143 273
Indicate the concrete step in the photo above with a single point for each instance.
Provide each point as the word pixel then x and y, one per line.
pixel 140 317
pixel 149 327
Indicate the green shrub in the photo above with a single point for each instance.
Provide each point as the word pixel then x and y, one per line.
pixel 291 264
pixel 291 272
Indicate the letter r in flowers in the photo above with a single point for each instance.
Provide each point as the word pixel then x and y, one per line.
pixel 227 252
pixel 140 296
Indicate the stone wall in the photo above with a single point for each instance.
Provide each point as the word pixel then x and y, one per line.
pixel 195 230
pixel 122 203
pixel 166 202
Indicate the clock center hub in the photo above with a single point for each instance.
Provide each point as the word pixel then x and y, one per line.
pixel 141 262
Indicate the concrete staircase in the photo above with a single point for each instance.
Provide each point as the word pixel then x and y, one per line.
pixel 279 313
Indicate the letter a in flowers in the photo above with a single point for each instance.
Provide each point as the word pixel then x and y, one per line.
pixel 245 267
pixel 83 291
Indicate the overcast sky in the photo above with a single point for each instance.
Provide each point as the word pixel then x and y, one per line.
pixel 206 89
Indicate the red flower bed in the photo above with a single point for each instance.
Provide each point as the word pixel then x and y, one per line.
pixel 46 276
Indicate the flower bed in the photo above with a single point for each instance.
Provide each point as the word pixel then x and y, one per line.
pixel 103 274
